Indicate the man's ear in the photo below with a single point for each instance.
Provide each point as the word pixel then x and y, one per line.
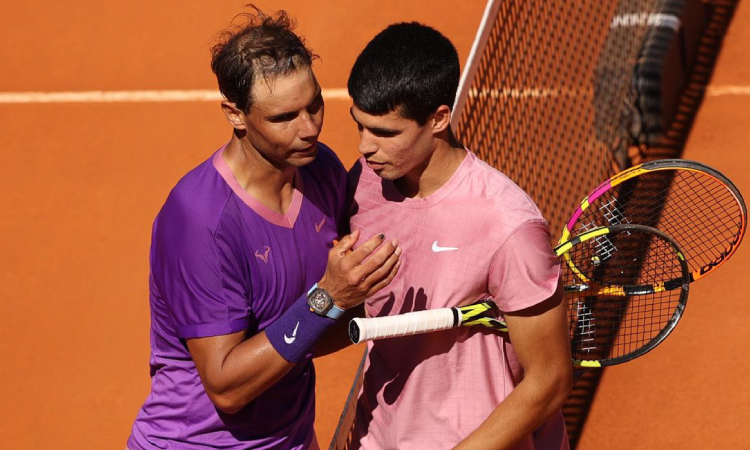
pixel 441 119
pixel 234 115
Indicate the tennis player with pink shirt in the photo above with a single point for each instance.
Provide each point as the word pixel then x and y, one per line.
pixel 467 231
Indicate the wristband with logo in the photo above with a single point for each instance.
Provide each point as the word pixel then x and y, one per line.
pixel 296 332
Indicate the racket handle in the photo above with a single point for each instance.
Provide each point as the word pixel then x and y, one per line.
pixel 417 322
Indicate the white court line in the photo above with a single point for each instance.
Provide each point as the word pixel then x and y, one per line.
pixel 192 95
pixel 718 91
pixel 209 95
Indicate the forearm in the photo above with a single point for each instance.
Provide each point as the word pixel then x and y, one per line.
pixel 248 370
pixel 255 364
pixel 235 371
pixel 530 404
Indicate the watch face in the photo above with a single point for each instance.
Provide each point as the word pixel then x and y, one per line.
pixel 319 301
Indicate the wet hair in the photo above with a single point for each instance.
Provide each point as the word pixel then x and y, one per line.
pixel 409 68
pixel 262 46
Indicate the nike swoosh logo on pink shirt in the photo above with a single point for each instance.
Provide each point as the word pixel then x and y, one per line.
pixel 437 249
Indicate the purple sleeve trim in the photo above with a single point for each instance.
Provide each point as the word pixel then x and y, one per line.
pixel 212 329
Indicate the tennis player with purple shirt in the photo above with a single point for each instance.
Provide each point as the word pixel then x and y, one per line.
pixel 245 277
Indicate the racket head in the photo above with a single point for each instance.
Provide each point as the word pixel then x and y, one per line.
pixel 694 204
pixel 638 296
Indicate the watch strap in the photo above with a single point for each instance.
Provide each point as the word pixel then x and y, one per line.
pixel 335 312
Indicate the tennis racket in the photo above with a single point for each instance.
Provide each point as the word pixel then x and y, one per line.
pixel 480 313
pixel 696 205
pixel 636 289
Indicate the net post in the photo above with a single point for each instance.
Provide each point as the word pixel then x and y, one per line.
pixel 473 60
pixel 342 435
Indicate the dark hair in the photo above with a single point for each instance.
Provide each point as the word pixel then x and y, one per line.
pixel 409 68
pixel 263 46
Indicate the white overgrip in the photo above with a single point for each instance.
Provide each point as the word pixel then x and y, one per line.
pixel 417 322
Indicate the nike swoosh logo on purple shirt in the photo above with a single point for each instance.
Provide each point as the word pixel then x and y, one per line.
pixel 319 226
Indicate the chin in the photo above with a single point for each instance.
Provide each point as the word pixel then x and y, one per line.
pixel 300 162
pixel 386 175
pixel 303 159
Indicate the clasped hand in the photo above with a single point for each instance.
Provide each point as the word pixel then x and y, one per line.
pixel 353 275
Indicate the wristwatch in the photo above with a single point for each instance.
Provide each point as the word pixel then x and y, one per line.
pixel 321 303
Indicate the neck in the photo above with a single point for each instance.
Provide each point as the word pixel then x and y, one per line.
pixel 271 185
pixel 433 173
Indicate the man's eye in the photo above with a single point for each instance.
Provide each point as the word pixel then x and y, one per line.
pixel 282 118
pixel 316 105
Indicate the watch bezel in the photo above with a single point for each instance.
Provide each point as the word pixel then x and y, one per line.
pixel 314 299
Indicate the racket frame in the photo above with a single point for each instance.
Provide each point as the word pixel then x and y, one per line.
pixel 660 165
pixel 683 285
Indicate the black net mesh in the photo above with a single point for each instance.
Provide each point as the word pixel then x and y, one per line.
pixel 553 103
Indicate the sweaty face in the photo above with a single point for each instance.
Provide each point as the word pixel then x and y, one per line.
pixel 286 117
pixel 393 146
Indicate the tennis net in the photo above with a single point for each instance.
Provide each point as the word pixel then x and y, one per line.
pixel 343 436
pixel 557 91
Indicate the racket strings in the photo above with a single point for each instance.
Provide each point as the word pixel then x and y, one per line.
pixel 604 327
pixel 621 328
pixel 712 201
pixel 614 213
pixel 679 202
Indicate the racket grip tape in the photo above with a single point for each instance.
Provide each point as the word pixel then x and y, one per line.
pixel 418 322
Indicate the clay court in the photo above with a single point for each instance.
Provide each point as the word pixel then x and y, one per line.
pixel 88 159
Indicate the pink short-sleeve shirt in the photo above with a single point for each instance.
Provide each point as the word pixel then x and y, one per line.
pixel 478 235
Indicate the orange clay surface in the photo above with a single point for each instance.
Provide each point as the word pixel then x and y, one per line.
pixel 81 184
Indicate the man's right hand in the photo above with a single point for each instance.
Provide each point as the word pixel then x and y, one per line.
pixel 353 275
